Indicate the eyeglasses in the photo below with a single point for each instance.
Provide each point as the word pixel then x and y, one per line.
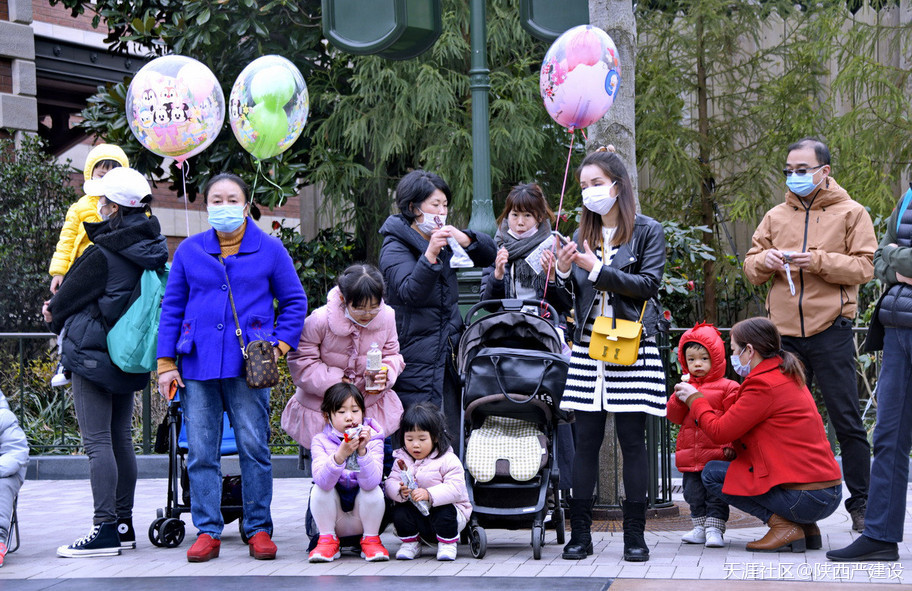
pixel 800 171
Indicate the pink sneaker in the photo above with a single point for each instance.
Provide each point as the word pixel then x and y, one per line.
pixel 372 549
pixel 327 549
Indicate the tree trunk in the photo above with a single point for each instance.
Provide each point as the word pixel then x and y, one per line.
pixel 617 127
pixel 707 213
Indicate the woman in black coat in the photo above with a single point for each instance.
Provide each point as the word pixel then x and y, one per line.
pixel 95 293
pixel 415 261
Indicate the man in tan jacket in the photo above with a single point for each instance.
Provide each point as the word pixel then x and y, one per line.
pixel 817 248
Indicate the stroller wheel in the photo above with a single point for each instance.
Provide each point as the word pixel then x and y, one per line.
pixel 538 538
pixel 172 532
pixel 478 542
pixel 560 526
pixel 155 532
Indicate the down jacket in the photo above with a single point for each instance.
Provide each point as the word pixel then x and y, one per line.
pixel 95 294
pixel 327 473
pixel 694 448
pixel 14 447
pixel 333 347
pixel 894 255
pixel 426 300
pixel 442 475
pixel 73 238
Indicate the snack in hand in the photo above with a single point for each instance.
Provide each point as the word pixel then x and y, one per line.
pixel 408 479
pixel 685 377
pixel 351 434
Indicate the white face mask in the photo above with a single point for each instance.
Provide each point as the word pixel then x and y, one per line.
pixel 431 222
pixel 598 199
pixel 104 217
pixel 361 324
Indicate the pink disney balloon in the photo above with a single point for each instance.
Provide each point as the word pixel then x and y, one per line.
pixel 175 107
pixel 580 77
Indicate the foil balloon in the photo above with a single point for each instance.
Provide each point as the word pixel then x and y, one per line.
pixel 580 76
pixel 175 107
pixel 268 106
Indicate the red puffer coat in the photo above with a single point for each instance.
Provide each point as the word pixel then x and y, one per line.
pixel 694 448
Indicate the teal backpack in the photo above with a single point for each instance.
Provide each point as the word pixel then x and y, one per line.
pixel 132 341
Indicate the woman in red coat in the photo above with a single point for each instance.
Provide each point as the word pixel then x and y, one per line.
pixel 785 473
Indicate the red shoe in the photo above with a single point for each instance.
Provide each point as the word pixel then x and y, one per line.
pixel 204 549
pixel 327 549
pixel 261 546
pixel 372 549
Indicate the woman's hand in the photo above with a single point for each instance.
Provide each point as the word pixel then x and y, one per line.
pixel 500 263
pixel 565 256
pixel 461 237
pixel 547 263
pixel 421 494
pixel 45 312
pixel 436 243
pixel 683 391
pixel 585 260
pixel 277 353
pixel 165 379
pixel 55 283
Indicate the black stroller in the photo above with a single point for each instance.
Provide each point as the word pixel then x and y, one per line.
pixel 167 530
pixel 513 373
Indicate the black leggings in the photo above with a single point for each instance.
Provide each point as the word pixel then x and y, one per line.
pixel 631 434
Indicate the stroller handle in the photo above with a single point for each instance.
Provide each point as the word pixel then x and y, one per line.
pixel 545 310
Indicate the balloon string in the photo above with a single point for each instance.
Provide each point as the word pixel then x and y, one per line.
pixel 185 168
pixel 268 180
pixel 560 209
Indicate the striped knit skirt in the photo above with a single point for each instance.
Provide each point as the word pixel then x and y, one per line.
pixel 623 388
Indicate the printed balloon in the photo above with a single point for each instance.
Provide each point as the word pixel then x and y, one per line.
pixel 580 77
pixel 175 106
pixel 268 106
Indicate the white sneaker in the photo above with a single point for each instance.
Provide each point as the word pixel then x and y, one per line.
pixel 714 538
pixel 409 551
pixel 695 536
pixel 446 551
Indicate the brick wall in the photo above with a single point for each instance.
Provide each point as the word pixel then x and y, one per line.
pixel 42 11
pixel 4 11
pixel 6 75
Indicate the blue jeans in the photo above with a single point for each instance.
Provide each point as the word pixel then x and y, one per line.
pixel 702 502
pixel 892 439
pixel 800 506
pixel 248 411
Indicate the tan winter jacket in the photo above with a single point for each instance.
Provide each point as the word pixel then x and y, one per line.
pixel 838 233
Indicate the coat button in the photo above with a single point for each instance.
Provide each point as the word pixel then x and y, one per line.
pixel 220 326
pixel 751 469
pixel 224 287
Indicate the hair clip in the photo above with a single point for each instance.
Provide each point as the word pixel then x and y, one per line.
pixel 608 148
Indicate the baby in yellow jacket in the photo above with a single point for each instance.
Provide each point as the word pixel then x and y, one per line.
pixel 73 239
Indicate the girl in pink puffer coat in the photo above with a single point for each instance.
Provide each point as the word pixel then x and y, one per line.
pixel 333 349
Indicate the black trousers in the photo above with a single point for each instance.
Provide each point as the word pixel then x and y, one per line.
pixel 441 524
pixel 589 430
pixel 829 356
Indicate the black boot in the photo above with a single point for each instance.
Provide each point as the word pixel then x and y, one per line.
pixel 635 549
pixel 580 544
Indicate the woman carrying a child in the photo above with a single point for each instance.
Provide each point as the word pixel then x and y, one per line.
pixel 784 473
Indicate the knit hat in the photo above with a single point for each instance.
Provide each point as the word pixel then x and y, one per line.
pixel 123 186
pixel 103 152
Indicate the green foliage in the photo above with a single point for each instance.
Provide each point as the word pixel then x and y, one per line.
pixel 371 121
pixel 34 194
pixel 317 261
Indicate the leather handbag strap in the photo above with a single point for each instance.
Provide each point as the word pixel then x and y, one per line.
pixel 237 324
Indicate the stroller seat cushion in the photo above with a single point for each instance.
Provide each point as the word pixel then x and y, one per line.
pixel 504 446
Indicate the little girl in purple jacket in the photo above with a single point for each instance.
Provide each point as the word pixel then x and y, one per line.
pixel 346 498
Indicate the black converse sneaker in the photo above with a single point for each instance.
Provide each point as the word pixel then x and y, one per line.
pixel 102 541
pixel 126 533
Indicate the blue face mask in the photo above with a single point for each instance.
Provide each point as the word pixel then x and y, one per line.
pixel 741 370
pixel 801 185
pixel 226 218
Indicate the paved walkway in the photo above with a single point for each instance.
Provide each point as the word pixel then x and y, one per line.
pixel 55 512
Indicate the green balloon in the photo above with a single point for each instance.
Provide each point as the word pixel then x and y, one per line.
pixel 270 89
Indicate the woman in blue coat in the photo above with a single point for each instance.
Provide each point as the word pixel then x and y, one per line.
pixel 415 260
pixel 198 348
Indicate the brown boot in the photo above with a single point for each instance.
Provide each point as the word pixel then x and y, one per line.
pixel 812 537
pixel 783 534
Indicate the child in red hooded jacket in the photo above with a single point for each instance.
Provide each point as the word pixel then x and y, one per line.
pixel 701 353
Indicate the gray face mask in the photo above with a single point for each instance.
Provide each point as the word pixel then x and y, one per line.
pixel 431 222
pixel 104 217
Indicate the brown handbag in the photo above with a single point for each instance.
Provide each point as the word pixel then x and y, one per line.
pixel 260 367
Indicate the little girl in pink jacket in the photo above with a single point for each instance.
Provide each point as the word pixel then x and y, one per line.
pixel 333 349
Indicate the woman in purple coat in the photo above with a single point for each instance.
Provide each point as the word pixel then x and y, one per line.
pixel 198 349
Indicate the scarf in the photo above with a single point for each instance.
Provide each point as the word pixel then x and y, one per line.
pixel 519 249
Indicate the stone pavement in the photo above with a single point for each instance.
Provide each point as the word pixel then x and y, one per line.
pixel 56 512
